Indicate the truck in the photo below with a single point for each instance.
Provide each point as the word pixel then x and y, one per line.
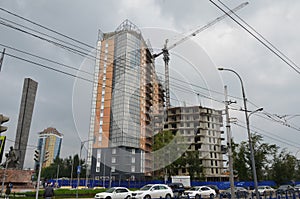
pixel 185 180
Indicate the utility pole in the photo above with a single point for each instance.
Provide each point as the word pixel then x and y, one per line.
pixel 228 131
pixel 248 129
pixel 57 173
pixel 79 168
pixel 72 168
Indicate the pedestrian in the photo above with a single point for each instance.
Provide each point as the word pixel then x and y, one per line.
pixel 49 191
pixel 8 189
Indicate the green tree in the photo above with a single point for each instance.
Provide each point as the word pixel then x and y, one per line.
pixel 240 162
pixel 189 159
pixel 263 153
pixel 194 164
pixel 284 168
pixel 161 140
pixel 63 168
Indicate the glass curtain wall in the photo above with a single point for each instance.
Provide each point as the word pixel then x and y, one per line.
pixel 125 125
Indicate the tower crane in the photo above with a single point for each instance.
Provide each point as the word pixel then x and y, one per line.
pixel 165 50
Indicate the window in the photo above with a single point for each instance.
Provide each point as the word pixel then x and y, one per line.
pixel 97 169
pixel 162 187
pixel 113 151
pixel 133 160
pixel 98 153
pixel 132 168
pixel 113 160
pixel 113 168
pixel 132 151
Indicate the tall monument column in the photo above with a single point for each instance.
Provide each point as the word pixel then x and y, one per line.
pixel 24 121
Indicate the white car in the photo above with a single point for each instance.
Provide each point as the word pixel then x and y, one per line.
pixel 114 193
pixel 153 191
pixel 264 190
pixel 200 191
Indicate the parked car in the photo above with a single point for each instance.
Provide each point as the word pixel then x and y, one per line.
pixel 282 189
pixel 153 191
pixel 240 192
pixel 264 190
pixel 177 188
pixel 114 193
pixel 214 187
pixel 297 187
pixel 203 191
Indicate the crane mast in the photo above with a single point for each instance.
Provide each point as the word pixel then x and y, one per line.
pixel 165 50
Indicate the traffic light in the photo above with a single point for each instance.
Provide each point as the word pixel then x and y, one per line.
pixel 37 155
pixel 3 119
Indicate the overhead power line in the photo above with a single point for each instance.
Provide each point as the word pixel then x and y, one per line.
pixel 269 135
pixel 262 37
pixel 295 68
pixel 51 30
pixel 46 59
pixel 73 50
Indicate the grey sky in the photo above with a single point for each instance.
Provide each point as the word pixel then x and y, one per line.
pixel 269 82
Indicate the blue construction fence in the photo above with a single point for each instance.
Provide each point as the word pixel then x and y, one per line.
pixel 137 184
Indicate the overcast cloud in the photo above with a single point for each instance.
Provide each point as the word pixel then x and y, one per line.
pixel 64 103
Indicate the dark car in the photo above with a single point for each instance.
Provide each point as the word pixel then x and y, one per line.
pixel 240 192
pixel 297 187
pixel 285 189
pixel 177 188
pixel 215 187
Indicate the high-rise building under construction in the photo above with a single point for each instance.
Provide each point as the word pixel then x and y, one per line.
pixel 126 93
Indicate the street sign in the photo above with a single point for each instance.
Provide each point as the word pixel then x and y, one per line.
pixel 2 144
pixel 78 169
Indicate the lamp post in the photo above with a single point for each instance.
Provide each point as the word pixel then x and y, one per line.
pixel 248 130
pixel 79 165
pixel 40 167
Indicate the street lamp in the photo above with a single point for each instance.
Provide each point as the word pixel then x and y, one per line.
pixel 248 129
pixel 79 164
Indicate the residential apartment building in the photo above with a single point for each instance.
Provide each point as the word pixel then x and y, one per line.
pixel 50 140
pixel 126 93
pixel 201 129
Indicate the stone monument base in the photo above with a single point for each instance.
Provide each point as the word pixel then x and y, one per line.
pixel 19 178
